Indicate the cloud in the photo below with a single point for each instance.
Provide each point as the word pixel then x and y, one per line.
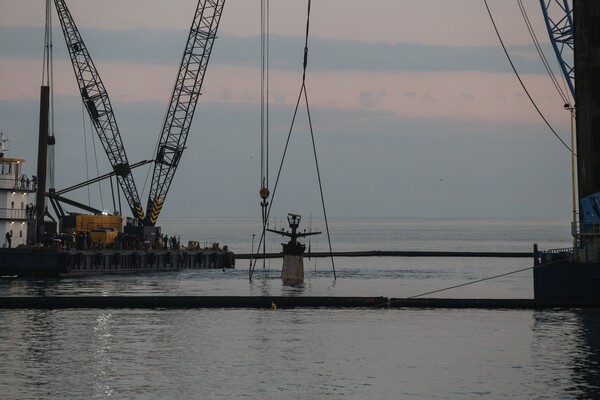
pixel 155 46
pixel 466 97
pixel 489 169
pixel 370 98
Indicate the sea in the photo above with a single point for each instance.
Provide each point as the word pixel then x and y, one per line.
pixel 313 353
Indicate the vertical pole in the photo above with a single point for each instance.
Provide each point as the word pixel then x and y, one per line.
pixel 573 178
pixel 42 160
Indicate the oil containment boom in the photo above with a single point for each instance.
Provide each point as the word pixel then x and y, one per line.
pixel 183 103
pixel 97 103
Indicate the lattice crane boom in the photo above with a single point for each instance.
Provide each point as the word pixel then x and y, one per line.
pixel 558 15
pixel 183 103
pixel 96 100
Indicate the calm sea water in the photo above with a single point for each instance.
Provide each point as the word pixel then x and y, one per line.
pixel 301 354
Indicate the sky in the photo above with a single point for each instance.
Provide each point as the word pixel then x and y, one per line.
pixel 415 109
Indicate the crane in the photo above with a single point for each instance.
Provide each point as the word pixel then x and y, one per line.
pixel 558 15
pixel 96 100
pixel 179 114
pixel 183 103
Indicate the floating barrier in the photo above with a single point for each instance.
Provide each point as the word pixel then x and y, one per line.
pixel 281 302
pixel 398 253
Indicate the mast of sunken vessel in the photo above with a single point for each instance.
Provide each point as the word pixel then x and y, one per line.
pixel 292 270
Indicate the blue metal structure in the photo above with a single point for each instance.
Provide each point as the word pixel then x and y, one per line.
pixel 558 15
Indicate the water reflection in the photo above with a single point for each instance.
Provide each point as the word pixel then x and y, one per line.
pixel 568 344
pixel 101 352
pixel 586 363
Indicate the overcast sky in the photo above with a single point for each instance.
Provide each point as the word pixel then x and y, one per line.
pixel 415 109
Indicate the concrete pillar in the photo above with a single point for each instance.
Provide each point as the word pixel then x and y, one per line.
pixel 292 272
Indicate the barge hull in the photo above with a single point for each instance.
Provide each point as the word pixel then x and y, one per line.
pixel 566 280
pixel 54 263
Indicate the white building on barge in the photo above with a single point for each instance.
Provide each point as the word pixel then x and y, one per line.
pixel 15 188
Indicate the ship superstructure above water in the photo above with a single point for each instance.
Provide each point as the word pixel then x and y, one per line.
pixel 15 188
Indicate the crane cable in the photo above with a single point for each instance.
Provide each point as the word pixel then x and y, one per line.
pixel 520 80
pixel 300 96
pixel 264 95
pixel 264 120
pixel 400 300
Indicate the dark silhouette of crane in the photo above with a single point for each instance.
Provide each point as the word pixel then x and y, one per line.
pixel 179 114
pixel 96 100
pixel 183 103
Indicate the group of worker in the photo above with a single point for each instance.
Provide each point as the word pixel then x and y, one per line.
pixel 30 210
pixel 27 183
pixel 172 243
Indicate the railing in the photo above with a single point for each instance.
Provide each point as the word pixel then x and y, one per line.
pixel 553 255
pixel 565 250
pixel 17 184
pixel 585 228
pixel 13 213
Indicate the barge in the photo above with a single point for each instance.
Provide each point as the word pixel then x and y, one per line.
pixel 44 262
pixel 87 244
pixel 38 243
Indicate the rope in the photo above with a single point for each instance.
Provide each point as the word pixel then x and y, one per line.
pixel 47 80
pixel 264 95
pixel 302 91
pixel 46 57
pixel 264 131
pixel 519 78
pixel 540 52
pixel 52 157
pixel 481 280
pixel 264 118
pixel 312 136
pixel 87 166
pixel 97 170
